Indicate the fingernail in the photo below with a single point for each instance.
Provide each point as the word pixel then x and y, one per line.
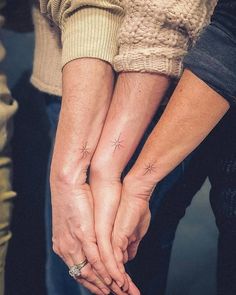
pixel 119 284
pixel 108 281
pixel 125 287
pixel 122 269
pixel 106 291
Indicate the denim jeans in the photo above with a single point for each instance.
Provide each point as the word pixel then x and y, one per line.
pixel 213 60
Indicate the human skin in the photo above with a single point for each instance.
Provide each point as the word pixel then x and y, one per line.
pixel 87 91
pixel 193 111
pixel 135 101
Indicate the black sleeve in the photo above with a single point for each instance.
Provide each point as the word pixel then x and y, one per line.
pixel 213 58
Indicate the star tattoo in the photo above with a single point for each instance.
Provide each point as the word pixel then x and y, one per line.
pixel 85 150
pixel 117 143
pixel 149 169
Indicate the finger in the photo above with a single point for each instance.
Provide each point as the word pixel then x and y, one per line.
pixel 88 274
pixel 117 290
pixel 90 287
pixel 119 256
pixel 133 290
pixel 133 249
pixel 120 249
pixel 92 254
pixel 126 257
pixel 89 245
pixel 108 258
pixel 66 258
pixel 86 271
pixel 105 211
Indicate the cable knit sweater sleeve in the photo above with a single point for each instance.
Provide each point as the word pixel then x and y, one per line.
pixel 156 34
pixel 89 28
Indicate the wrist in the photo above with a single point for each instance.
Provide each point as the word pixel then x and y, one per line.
pixel 68 171
pixel 136 186
pixel 102 170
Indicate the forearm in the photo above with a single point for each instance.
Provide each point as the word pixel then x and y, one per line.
pixel 87 90
pixel 191 114
pixel 135 101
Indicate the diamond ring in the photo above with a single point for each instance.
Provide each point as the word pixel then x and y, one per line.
pixel 75 270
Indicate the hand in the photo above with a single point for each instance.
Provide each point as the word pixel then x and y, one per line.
pixel 121 134
pixel 106 194
pixel 132 221
pixel 87 88
pixel 73 233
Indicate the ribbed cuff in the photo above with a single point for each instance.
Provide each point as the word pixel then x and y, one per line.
pixel 91 32
pixel 46 74
pixel 151 60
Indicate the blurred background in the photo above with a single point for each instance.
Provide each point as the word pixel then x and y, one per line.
pixel 194 253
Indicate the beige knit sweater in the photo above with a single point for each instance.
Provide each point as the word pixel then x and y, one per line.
pixel 138 35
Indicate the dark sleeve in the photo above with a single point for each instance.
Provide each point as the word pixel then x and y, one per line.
pixel 213 58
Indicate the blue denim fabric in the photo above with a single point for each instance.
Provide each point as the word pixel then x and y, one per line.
pixel 225 16
pixel 213 58
pixel 57 279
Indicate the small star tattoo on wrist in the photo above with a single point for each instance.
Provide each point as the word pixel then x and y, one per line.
pixel 117 143
pixel 149 169
pixel 84 150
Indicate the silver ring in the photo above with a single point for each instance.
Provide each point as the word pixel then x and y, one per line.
pixel 75 270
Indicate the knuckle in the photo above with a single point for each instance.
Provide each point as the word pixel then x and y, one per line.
pixel 95 261
pixel 55 247
pixel 70 248
pixel 105 259
pixel 99 230
pixel 119 242
pixel 86 273
pixel 88 243
pixel 61 250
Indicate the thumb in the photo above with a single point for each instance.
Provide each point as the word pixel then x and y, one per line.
pixel 119 256
pixel 133 290
pixel 133 249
